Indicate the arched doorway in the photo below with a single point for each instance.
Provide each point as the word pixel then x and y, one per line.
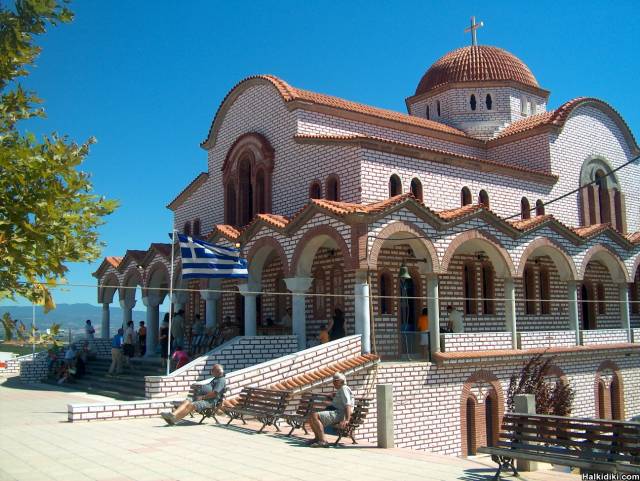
pixel 470 440
pixel 490 417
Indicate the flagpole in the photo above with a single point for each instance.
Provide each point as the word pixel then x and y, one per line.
pixel 33 327
pixel 173 243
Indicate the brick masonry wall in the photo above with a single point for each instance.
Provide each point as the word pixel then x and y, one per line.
pixel 544 339
pixel 604 336
pixel 481 341
pixel 635 335
pixel 11 367
pixel 117 410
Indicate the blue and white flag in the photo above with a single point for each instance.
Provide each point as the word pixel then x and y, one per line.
pixel 203 260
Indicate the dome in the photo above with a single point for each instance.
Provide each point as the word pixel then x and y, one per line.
pixel 476 64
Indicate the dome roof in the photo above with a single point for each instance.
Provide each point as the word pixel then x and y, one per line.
pixel 476 64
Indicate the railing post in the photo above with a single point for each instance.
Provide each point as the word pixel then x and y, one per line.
pixel 525 404
pixel 384 401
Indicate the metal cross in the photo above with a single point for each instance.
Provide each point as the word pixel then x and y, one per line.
pixel 474 26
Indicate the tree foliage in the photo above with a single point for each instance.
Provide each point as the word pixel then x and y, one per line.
pixel 17 329
pixel 48 211
pixel 534 378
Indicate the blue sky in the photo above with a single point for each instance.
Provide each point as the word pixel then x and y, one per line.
pixel 145 78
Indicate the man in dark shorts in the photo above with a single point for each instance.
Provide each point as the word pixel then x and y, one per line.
pixel 343 404
pixel 208 396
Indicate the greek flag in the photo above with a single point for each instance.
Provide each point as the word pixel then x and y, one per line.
pixel 203 260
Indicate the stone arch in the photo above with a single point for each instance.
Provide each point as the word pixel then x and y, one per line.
pixel 481 378
pixel 634 269
pixel 611 261
pixel 563 262
pixel 258 256
pixel 420 245
pixel 612 400
pixel 157 272
pixel 106 293
pixel 309 244
pixel 502 263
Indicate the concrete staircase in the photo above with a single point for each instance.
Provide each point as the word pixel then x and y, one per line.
pixel 128 386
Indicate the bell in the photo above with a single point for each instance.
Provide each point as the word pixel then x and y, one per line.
pixel 404 272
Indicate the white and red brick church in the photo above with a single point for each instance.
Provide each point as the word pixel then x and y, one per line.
pixel 330 198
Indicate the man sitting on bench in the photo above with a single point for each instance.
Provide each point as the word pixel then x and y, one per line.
pixel 207 397
pixel 343 407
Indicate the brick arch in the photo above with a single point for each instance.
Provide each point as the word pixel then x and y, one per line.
pixel 130 274
pixel 254 141
pixel 308 237
pixel 556 371
pixel 107 293
pixel 598 251
pixel 395 228
pixel 275 246
pixel 617 399
pixel 635 269
pixel 152 270
pixel 499 252
pixel 464 423
pixel 567 271
pixel 486 377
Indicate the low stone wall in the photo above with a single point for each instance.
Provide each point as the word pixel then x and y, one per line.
pixel 239 353
pixel 11 367
pixel 116 410
pixel 543 339
pixel 635 335
pixel 475 341
pixel 604 336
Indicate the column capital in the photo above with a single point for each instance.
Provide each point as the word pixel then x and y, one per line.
pixel 179 297
pixel 127 303
pixel 151 300
pixel 210 296
pixel 249 289
pixel 298 284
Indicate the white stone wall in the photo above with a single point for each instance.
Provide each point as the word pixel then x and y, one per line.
pixel 604 336
pixel 475 341
pixel 530 153
pixel 546 339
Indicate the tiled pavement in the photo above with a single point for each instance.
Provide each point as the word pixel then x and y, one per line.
pixel 37 443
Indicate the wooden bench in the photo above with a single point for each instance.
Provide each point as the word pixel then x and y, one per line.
pixel 309 403
pixel 358 416
pixel 266 405
pixel 593 445
pixel 208 412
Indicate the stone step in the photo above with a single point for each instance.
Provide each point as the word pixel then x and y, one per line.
pixel 102 390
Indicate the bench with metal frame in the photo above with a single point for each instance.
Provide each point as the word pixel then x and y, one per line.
pixel 309 403
pixel 266 405
pixel 209 412
pixel 358 416
pixel 593 445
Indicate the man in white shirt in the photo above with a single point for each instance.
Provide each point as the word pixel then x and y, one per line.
pixel 343 404
pixel 456 324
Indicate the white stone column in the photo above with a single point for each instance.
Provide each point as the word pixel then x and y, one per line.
pixel 433 304
pixel 250 311
pixel 510 310
pixel 127 306
pixel 574 322
pixel 623 289
pixel 298 286
pixel 152 304
pixel 362 312
pixel 211 307
pixel 106 320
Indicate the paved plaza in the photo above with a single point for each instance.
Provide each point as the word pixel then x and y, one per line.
pixel 37 443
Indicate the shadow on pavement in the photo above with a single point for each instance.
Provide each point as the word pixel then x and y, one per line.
pixel 481 474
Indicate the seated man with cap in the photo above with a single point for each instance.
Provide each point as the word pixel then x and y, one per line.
pixel 343 408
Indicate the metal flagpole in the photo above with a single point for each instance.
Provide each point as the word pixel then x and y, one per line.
pixel 173 243
pixel 33 327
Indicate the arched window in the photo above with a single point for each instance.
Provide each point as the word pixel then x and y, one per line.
pixel 525 208
pixel 319 301
pixel 438 107
pixel 602 199
pixel 470 287
pixel 245 191
pixel 617 205
pixel 488 102
pixel 395 186
pixel 544 288
pixel 261 194
pixel 529 291
pixel 602 302
pixel 616 397
pixel 428 112
pixel 634 295
pixel 465 196
pixel 186 230
pixel 603 412
pixel 488 289
pixel 472 102
pixel 196 228
pixel 315 190
pixel 416 188
pixel 230 205
pixel 333 188
pixel 385 288
pixel 483 198
pixel 539 207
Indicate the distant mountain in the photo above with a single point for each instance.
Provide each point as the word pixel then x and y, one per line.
pixel 69 316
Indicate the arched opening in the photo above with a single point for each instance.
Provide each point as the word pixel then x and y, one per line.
pixel 261 193
pixel 619 210
pixel 588 307
pixel 483 198
pixel 315 190
pixel 529 281
pixel 333 188
pixel 489 102
pixel 239 307
pixel 385 288
pixel 407 313
pixel 230 217
pixel 395 186
pixel 186 230
pixel 470 288
pixel 245 191
pixel 473 102
pixel 470 438
pixel 525 208
pixel 602 401
pixel 416 188
pixel 616 398
pixel 490 418
pixel 539 207
pixel 465 196
pixel 544 290
pixel 488 289
pixel 603 197
pixel 634 294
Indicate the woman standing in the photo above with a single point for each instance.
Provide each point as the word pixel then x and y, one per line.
pixel 336 325
pixel 163 338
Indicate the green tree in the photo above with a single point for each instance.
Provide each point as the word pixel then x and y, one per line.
pixel 48 212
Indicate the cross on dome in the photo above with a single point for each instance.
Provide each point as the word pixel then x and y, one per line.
pixel 472 28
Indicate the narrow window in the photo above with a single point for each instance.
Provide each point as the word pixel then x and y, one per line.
pixel 395 186
pixel 472 102
pixel 319 301
pixel 428 113
pixel 525 208
pixel 465 196
pixel 483 198
pixel 470 288
pixel 602 304
pixel 438 107
pixel 488 289
pixel 635 295
pixel 533 108
pixel 615 394
pixel 618 215
pixel 261 195
pixel 416 188
pixel 489 102
pixel 385 291
pixel 187 228
pixel 603 197
pixel 196 228
pixel 315 191
pixel 333 188
pixel 523 106
pixel 529 291
pixel 545 290
pixel 539 207
pixel 529 106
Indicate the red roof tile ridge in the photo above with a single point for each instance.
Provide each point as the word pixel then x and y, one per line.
pixel 527 224
pixel 274 219
pixel 452 214
pixel 226 230
pixel 114 260
pixel 633 237
pixel 587 231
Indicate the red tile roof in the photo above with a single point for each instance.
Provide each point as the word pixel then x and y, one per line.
pixel 528 224
pixel 473 64
pixel 279 221
pixel 452 214
pixel 113 260
pixel 591 230
pixel 344 208
pixel 634 237
pixel 227 230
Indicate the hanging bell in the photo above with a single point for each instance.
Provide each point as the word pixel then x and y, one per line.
pixel 404 272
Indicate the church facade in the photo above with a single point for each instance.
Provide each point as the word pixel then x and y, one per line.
pixel 330 199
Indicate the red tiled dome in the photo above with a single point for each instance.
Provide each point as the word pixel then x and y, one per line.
pixel 476 63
